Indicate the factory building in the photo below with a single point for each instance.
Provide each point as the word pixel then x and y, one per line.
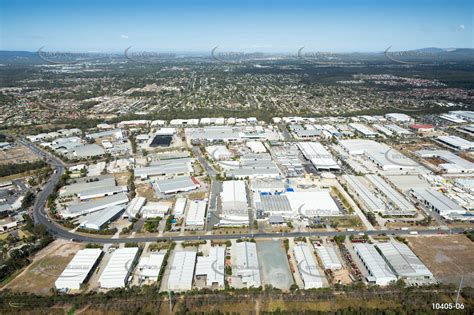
pixel 97 220
pixel 456 143
pixel 398 204
pixel 149 267
pixel 179 207
pixel 177 184
pixel 329 257
pixel 246 265
pixel 363 130
pixel 78 269
pixel 196 214
pixel 436 201
pixel 307 267
pixel 234 203
pixel 119 268
pixel 318 155
pixel 379 271
pixel 212 267
pixel 363 194
pixel 134 207
pixel 182 271
pixel 82 208
pixel 455 164
pixel 404 262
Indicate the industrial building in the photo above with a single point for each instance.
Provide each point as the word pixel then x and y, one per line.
pixel 179 207
pixel 212 267
pixel 215 134
pixel 379 271
pixel 196 214
pixel 99 219
pixel 218 152
pixel 155 209
pixel 329 257
pixel 149 267
pixel 75 210
pixel 257 165
pixel 455 164
pixel 363 194
pixel 363 130
pixel 119 268
pixel 246 265
pixel 134 207
pixel 404 262
pixel 273 205
pixel 380 154
pixel 456 143
pixel 271 186
pixel 312 203
pixel 177 184
pixel 78 269
pixel 256 147
pixel 87 186
pixel 172 167
pixel 318 155
pixel 399 131
pixel 182 271
pixel 436 201
pixel 398 204
pixel 234 203
pixel 307 267
pixel 398 117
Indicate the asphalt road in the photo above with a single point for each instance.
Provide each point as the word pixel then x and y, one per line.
pixel 40 217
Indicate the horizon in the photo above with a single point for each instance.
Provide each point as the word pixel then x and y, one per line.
pixel 246 26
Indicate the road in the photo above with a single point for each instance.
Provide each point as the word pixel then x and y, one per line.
pixel 208 168
pixel 40 217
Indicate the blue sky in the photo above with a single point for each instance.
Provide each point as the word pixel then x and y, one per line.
pixel 247 26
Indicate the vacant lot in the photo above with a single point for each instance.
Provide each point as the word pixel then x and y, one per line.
pixel 17 154
pixel 447 256
pixel 47 265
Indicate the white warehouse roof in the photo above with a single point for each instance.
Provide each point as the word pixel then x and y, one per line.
pixel 117 271
pixel 196 213
pixel 318 155
pixel 94 205
pixel 246 264
pixel 379 271
pixel 212 266
pixel 312 203
pixel 329 257
pixel 307 267
pixel 149 267
pixel 182 271
pixel 78 269
pixel 404 261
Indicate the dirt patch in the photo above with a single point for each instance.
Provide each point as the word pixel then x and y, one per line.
pixel 145 190
pixel 447 256
pixel 17 154
pixel 122 178
pixel 47 265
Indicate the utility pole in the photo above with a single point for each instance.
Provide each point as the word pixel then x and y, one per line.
pixel 459 289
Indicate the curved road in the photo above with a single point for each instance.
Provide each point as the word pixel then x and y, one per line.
pixel 40 217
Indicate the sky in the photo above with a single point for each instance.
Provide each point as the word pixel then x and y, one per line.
pixel 238 26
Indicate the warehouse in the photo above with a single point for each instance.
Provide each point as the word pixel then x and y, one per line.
pixel 87 151
pixel 329 257
pixel 379 271
pixel 456 143
pixel 363 194
pixel 271 186
pixel 273 205
pixel 256 147
pixel 78 270
pixel 75 210
pixel 383 130
pixel 134 207
pixel 119 268
pixel 404 262
pixel 218 152
pixel 212 267
pixel 246 265
pixel 312 203
pixel 380 154
pixel 182 271
pixel 398 117
pixel 87 185
pixel 149 267
pixel 436 201
pixel 307 267
pixel 402 132
pixel 165 168
pixel 177 184
pixel 196 214
pixel 399 204
pixel 102 192
pixel 234 203
pixel 155 209
pixel 455 164
pixel 99 219
pixel 318 155
pixel 179 207
pixel 363 130
pixel 215 134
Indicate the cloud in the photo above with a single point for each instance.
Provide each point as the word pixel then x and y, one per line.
pixel 124 36
pixel 461 28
